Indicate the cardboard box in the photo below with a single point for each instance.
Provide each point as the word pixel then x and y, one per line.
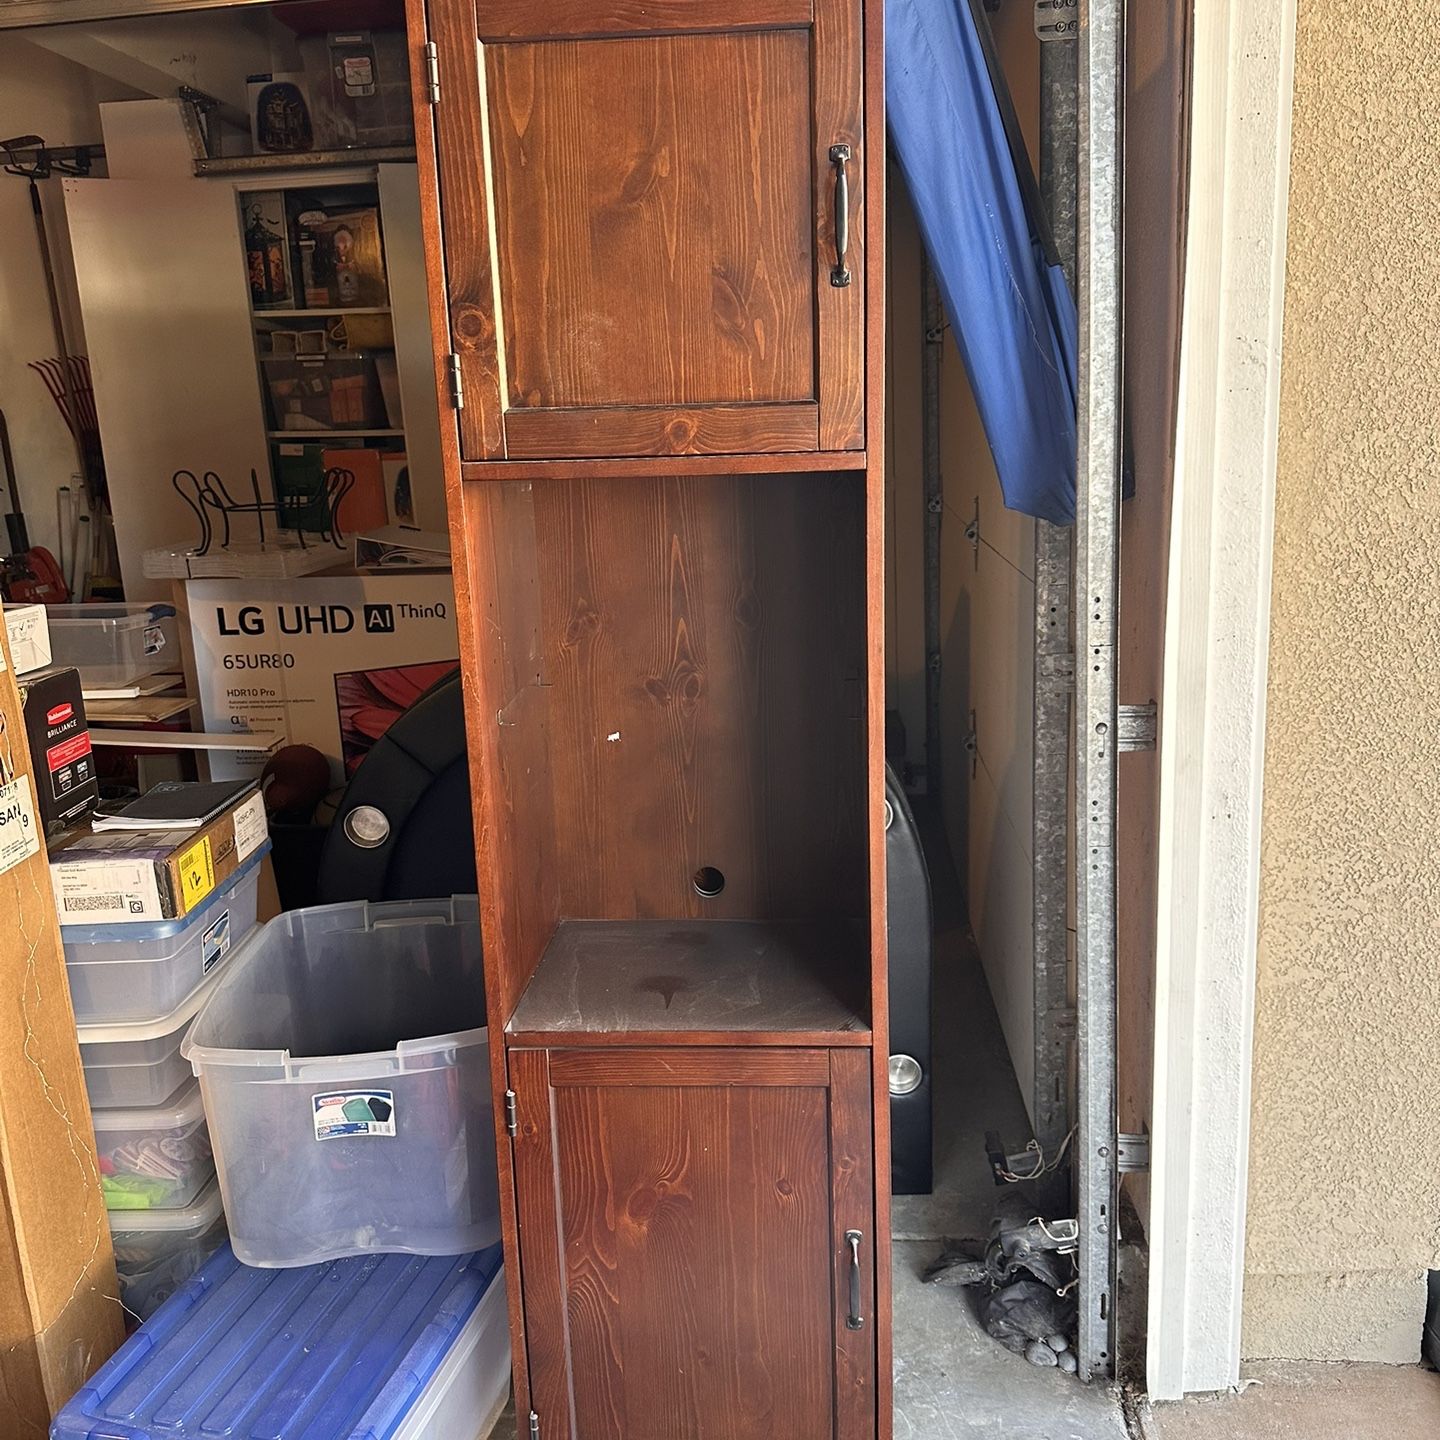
pixel 339 391
pixel 66 787
pixel 29 632
pixel 342 258
pixel 60 1316
pixel 363 506
pixel 359 87
pixel 328 661
pixel 141 875
pixel 280 121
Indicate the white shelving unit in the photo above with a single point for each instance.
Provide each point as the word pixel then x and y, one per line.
pixel 163 274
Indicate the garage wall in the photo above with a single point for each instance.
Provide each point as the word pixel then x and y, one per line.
pixel 1344 1204
pixel 987 609
pixel 39 94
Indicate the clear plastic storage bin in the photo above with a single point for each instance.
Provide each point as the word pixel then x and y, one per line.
pixel 345 1068
pixel 113 645
pixel 129 973
pixel 135 1065
pixel 157 1251
pixel 156 1158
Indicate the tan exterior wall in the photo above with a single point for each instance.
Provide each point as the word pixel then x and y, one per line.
pixel 1344 1206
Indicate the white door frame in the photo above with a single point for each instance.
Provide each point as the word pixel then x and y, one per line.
pixel 1212 739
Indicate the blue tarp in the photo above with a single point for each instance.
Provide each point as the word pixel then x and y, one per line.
pixel 1010 309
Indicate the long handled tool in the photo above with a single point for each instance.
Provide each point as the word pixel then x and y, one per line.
pixel 30 572
pixel 34 173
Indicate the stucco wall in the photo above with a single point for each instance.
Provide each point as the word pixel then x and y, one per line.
pixel 1344 1213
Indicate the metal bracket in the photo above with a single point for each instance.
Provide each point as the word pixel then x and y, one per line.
pixel 1132 1153
pixel 432 72
pixel 972 532
pixel 1137 726
pixel 457 382
pixel 1057 20
pixel 1058 671
pixel 512 1125
pixel 972 747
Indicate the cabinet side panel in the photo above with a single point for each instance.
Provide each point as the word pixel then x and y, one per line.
pixel 473 674
pixel 545 1357
pixel 874 53
pixel 507 728
pixel 698 1287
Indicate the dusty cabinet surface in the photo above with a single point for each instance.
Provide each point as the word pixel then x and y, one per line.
pixel 697 1227
pixel 654 238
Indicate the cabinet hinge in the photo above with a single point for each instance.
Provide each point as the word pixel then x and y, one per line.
pixel 534 1426
pixel 1138 726
pixel 457 382
pixel 432 72
pixel 512 1126
pixel 1132 1153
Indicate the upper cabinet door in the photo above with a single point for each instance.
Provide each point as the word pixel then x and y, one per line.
pixel 653 224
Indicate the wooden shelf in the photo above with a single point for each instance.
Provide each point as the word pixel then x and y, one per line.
pixel 306 160
pixel 319 310
pixel 328 434
pixel 637 982
pixel 637 466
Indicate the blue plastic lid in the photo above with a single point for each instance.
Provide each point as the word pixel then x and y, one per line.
pixel 134 932
pixel 339 1351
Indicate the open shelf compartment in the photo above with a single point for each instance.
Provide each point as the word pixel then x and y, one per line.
pixel 672 727
pixel 641 981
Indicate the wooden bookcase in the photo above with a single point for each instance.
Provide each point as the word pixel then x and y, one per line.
pixel 665 483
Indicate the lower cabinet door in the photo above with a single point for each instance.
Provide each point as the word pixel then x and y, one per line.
pixel 696 1242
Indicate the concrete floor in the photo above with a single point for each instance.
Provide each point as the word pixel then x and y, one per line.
pixel 952 1381
pixel 1287 1401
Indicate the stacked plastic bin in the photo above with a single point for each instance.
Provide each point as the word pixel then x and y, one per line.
pixel 136 987
pixel 343 1059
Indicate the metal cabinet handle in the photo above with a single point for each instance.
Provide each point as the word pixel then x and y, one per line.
pixel 839 272
pixel 854 1320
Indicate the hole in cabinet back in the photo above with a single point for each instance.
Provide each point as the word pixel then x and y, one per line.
pixel 708 882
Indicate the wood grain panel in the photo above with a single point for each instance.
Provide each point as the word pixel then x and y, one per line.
pixel 874 163
pixel 546 1356
pixel 842 312
pixel 489 865
pixel 705 662
pixel 696 1227
pixel 461 146
pixel 639 467
pixel 507 734
pixel 653 221
pixel 689 1067
pixel 567 19
pixel 853 1180
pixel 661 430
